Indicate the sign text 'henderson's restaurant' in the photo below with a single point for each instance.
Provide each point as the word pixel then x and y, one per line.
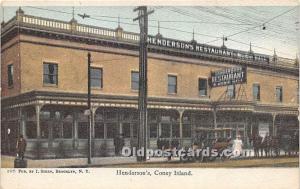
pixel 189 46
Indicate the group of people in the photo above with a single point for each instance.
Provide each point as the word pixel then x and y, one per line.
pixel 267 145
pixel 260 144
pixel 164 144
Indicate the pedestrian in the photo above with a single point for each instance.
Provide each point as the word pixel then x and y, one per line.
pixel 117 144
pixel 159 143
pixel 237 147
pixel 21 147
pixel 122 143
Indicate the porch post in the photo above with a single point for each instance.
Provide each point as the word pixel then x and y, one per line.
pixel 180 126
pixel 273 124
pixel 38 130
pixel 23 123
pixel 52 120
pixel 75 130
pixel 215 119
pixel 94 109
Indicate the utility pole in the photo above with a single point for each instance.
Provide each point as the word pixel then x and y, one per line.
pixel 89 110
pixel 142 101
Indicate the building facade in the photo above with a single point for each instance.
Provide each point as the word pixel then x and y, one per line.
pixel 44 89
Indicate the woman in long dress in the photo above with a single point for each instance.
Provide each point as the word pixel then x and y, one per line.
pixel 237 147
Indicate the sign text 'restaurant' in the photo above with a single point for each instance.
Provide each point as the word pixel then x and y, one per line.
pixel 229 76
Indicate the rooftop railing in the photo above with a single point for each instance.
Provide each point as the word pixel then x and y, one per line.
pixel 118 34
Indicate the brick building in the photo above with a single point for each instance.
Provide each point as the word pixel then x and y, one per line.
pixel 44 89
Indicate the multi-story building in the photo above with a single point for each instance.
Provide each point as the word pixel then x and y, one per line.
pixel 44 89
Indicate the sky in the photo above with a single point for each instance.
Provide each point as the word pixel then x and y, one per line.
pixel 241 25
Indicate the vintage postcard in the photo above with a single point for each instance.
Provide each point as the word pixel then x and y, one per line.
pixel 95 95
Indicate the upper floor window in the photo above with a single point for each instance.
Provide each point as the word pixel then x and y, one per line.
pixel 50 73
pixel 256 92
pixel 96 77
pixel 231 91
pixel 134 80
pixel 172 84
pixel 10 75
pixel 202 87
pixel 279 94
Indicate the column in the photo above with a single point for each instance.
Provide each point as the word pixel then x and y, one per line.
pixel 215 119
pixel 180 126
pixel 23 123
pixel 273 124
pixel 50 143
pixel 38 130
pixel 105 130
pixel 93 114
pixel 120 127
pixel 159 128
pixel 246 131
pixel 75 132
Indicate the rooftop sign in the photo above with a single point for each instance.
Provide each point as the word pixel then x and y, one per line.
pixel 206 49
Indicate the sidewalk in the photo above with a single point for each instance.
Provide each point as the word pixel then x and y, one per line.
pixel 8 162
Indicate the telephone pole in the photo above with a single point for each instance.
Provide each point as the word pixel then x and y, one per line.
pixel 89 110
pixel 142 99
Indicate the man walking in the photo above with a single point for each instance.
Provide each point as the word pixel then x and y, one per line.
pixel 118 143
pixel 21 147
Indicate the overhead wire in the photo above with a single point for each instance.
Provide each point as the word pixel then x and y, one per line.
pixel 251 28
pixel 179 30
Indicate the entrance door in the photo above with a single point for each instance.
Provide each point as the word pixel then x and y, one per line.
pixel 236 129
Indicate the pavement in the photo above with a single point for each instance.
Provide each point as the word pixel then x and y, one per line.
pixel 8 161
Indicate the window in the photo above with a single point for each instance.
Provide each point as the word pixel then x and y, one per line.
pixel 44 129
pixel 112 130
pixel 279 94
pixel 67 129
pixel 256 92
pixel 31 129
pixel 83 130
pixel 10 75
pixel 172 84
pixel 56 129
pixel 111 115
pixel 50 73
pixel 202 87
pixel 186 130
pixel 153 130
pixel 56 124
pixel 175 130
pixel 165 130
pixel 134 80
pixel 99 130
pixel 231 91
pixel 96 77
pixel 135 129
pixel 126 130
